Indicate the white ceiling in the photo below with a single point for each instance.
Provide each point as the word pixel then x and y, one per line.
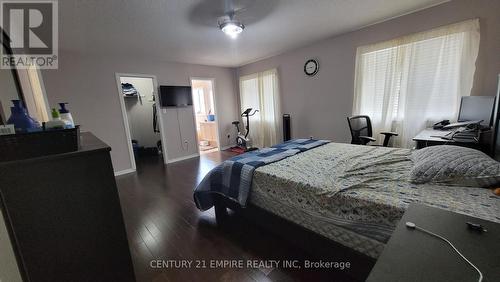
pixel 186 30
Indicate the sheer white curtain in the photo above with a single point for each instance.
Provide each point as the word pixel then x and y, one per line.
pixel 260 91
pixel 408 83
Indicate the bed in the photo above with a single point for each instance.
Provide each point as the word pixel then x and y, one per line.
pixel 355 195
pixel 352 195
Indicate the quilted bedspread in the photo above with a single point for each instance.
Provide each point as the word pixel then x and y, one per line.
pixel 360 189
pixel 233 178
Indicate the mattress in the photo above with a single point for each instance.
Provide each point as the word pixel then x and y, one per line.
pixel 356 195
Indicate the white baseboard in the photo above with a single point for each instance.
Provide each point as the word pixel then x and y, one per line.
pixel 125 171
pixel 182 158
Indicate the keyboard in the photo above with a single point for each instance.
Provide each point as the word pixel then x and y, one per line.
pixel 461 124
pixel 461 132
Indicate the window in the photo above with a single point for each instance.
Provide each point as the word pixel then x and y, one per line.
pixel 199 101
pixel 408 83
pixel 260 91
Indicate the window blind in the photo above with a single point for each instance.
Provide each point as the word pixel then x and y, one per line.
pixel 407 83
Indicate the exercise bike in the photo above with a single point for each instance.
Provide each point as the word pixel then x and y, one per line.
pixel 243 143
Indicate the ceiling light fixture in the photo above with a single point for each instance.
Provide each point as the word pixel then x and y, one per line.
pixel 231 27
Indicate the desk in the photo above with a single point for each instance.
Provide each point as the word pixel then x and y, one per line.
pixel 429 137
pixel 412 255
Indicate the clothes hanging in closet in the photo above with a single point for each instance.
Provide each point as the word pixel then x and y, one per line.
pixel 129 90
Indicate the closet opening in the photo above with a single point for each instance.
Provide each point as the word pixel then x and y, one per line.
pixel 207 127
pixel 142 118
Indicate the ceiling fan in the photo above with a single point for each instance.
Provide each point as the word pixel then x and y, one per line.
pixel 231 16
pixel 228 23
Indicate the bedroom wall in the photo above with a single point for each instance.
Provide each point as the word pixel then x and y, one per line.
pixel 88 83
pixel 319 105
pixel 9 92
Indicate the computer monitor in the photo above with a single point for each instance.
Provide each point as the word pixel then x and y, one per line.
pixel 477 108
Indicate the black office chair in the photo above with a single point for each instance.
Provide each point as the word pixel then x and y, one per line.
pixel 361 131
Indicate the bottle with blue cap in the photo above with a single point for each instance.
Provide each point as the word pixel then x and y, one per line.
pixel 66 116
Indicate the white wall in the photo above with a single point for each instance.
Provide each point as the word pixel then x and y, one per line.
pixel 319 105
pixel 8 92
pixel 88 83
pixel 8 264
pixel 140 115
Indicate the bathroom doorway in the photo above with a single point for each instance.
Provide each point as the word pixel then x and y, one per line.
pixel 142 118
pixel 207 126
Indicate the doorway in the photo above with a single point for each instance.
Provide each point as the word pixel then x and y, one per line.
pixel 142 118
pixel 207 126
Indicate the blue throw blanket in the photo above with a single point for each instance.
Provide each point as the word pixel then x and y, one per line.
pixel 233 178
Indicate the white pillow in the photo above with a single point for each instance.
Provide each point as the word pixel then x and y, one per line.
pixel 454 165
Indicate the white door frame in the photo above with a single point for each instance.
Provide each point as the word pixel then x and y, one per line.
pixel 125 117
pixel 215 110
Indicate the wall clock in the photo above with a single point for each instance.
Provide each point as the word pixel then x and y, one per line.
pixel 311 67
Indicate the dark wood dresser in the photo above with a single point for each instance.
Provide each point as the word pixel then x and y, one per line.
pixel 64 217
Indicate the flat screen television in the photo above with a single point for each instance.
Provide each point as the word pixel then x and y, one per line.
pixel 175 96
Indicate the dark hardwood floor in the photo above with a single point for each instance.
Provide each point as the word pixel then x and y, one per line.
pixel 163 224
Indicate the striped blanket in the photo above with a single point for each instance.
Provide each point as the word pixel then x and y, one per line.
pixel 233 178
